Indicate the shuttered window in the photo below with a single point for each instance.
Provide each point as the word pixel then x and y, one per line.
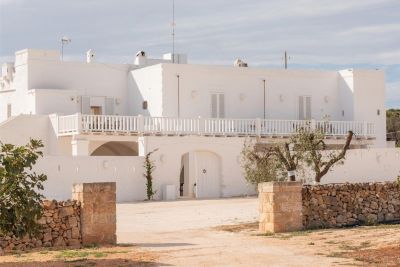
pixel 85 105
pixel 109 106
pixel 217 105
pixel 304 107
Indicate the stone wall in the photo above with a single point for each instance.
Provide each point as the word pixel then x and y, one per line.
pixel 336 205
pixel 60 227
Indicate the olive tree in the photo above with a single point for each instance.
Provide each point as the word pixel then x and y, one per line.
pixel 312 147
pixel 20 198
pixel 259 163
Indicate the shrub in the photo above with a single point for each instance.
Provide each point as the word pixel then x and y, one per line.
pixel 20 200
pixel 149 169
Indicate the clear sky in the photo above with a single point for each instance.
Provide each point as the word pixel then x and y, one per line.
pixel 318 34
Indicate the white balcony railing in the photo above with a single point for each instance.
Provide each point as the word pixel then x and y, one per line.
pixel 79 123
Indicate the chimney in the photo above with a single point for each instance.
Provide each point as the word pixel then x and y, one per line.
pixel 239 63
pixel 141 58
pixel 90 56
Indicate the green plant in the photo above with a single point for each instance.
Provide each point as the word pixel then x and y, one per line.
pixel 20 200
pixel 312 147
pixel 149 169
pixel 259 163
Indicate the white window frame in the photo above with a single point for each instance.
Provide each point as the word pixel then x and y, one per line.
pixel 305 97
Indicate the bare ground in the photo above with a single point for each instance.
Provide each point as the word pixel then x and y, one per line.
pixel 221 233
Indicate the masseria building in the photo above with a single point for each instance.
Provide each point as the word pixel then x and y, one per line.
pixel 98 120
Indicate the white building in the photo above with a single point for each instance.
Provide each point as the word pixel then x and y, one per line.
pixel 196 115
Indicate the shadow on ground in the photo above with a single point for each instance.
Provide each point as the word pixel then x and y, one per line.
pixel 162 245
pixel 86 263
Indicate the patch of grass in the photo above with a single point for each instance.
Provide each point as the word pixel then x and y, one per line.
pixel 266 234
pixel 336 254
pixel 70 254
pixel 84 254
pixel 362 245
pixel 331 242
pixel 99 255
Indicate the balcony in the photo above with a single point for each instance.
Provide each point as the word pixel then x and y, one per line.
pixel 140 125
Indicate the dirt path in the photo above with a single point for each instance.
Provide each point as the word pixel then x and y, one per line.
pixel 183 233
pixel 220 233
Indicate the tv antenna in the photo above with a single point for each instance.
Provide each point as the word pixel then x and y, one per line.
pixel 173 31
pixel 286 58
pixel 65 40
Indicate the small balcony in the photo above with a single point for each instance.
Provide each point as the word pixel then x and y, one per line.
pixel 140 125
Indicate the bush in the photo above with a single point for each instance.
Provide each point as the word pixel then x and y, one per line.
pixel 20 201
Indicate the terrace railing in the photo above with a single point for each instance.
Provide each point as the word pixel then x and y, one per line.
pixel 81 123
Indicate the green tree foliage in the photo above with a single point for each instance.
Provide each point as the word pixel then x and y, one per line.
pixel 20 200
pixel 259 164
pixel 275 162
pixel 312 147
pixel 149 169
pixel 393 125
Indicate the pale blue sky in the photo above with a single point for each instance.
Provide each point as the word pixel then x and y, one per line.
pixel 318 34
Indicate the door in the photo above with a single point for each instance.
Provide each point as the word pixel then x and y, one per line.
pixel 208 182
pixel 95 110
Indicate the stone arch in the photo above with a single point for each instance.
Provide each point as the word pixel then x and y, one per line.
pixel 114 148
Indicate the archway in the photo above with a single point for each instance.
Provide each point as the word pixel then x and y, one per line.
pixel 200 175
pixel 117 149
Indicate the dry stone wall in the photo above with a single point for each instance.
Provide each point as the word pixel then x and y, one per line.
pixel 60 227
pixel 336 205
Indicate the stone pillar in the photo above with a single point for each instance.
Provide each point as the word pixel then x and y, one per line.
pixel 280 207
pixel 98 212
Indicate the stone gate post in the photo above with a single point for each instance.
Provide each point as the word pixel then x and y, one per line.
pixel 280 205
pixel 98 212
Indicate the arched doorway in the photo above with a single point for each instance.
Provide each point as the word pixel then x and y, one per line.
pixel 117 149
pixel 200 175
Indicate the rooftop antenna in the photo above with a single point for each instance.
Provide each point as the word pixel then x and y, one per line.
pixel 65 40
pixel 286 60
pixel 173 31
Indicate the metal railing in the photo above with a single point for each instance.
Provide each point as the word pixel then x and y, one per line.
pixel 81 123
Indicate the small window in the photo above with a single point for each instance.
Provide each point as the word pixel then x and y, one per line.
pixel 342 113
pixel 378 112
pixel 304 107
pixel 217 105
pixel 144 105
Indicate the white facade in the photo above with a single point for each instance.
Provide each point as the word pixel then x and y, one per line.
pixel 83 109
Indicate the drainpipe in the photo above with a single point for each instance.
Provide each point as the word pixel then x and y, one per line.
pixel 179 112
pixel 264 96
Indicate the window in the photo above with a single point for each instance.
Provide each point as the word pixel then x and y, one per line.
pixel 144 105
pixel 217 105
pixel 304 107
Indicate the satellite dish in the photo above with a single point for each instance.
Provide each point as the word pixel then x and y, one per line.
pixel 65 40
